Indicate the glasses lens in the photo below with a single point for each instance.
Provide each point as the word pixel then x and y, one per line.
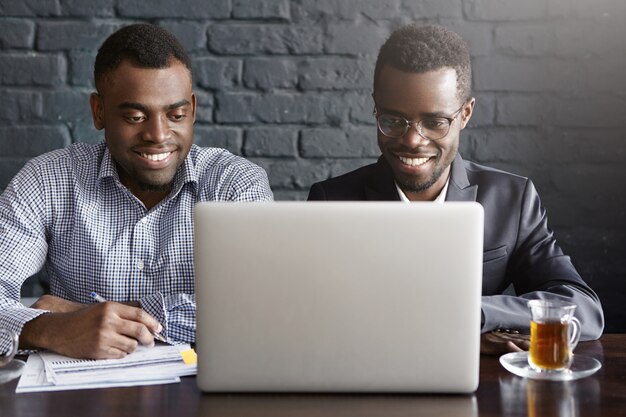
pixel 434 127
pixel 392 126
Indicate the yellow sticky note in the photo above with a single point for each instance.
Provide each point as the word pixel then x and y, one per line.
pixel 189 356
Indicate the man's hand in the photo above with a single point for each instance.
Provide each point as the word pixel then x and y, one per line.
pixel 497 343
pixel 57 304
pixel 96 331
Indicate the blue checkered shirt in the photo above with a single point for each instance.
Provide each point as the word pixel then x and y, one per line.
pixel 67 210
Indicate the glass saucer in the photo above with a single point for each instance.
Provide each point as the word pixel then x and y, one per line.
pixel 517 363
pixel 11 370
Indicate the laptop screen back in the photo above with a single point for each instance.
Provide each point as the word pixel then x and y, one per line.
pixel 338 296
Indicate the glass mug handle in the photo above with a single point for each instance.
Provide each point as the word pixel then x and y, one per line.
pixel 575 337
pixel 6 358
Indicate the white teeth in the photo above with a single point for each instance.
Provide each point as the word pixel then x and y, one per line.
pixel 413 161
pixel 156 156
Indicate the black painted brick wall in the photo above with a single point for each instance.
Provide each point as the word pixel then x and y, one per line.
pixel 287 84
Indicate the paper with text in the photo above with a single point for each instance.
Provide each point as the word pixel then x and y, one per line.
pixel 146 366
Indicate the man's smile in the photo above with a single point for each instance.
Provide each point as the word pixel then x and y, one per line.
pixel 413 161
pixel 155 156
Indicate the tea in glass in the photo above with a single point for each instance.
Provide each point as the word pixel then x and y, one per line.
pixel 554 333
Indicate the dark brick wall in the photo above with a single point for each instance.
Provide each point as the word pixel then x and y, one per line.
pixel 287 84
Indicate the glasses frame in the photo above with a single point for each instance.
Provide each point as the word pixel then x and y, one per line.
pixel 417 123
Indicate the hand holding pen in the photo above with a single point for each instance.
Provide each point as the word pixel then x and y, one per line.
pixel 101 299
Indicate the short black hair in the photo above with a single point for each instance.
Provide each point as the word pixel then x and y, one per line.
pixel 144 44
pixel 413 48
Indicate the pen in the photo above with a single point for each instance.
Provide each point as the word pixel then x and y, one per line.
pixel 101 299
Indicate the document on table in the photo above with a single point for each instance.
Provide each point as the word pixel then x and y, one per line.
pixel 161 364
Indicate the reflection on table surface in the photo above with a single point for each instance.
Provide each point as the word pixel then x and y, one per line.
pixel 524 397
pixel 341 405
pixel 499 394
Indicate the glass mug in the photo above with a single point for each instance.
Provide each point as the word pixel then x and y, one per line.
pixel 554 333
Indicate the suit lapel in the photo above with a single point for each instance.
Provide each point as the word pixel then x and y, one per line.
pixel 460 188
pixel 380 185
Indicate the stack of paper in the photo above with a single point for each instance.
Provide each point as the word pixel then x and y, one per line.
pixel 161 364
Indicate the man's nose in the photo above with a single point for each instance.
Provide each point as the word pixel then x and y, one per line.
pixel 157 130
pixel 413 138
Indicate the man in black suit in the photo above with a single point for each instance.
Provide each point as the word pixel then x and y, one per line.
pixel 422 96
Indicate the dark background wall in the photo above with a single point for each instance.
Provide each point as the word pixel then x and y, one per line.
pixel 287 84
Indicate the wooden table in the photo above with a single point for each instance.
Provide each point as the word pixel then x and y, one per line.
pixel 499 394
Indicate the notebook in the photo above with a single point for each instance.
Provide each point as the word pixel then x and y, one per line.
pixel 338 296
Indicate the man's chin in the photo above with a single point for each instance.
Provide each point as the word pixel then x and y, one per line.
pixel 416 185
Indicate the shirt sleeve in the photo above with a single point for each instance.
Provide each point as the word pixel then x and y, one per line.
pixel 176 313
pixel 249 182
pixel 23 245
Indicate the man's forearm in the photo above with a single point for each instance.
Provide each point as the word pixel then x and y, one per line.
pixel 97 331
pixel 34 333
pixel 511 312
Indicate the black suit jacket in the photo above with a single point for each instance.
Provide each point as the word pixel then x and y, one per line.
pixel 519 248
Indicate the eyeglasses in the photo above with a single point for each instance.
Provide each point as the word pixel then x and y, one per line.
pixel 431 128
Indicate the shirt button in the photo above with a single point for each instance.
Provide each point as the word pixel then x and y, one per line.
pixel 143 220
pixel 139 265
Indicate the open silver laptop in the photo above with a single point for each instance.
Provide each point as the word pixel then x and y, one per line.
pixel 338 297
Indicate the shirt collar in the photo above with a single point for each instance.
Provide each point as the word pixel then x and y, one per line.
pixel 107 167
pixel 440 198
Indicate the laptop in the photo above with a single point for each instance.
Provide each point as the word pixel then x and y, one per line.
pixel 338 296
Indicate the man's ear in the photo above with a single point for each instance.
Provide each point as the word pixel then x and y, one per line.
pixel 467 112
pixel 193 106
pixel 97 110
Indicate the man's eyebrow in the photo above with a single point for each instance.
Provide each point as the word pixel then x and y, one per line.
pixel 181 103
pixel 425 114
pixel 437 114
pixel 141 107
pixel 131 105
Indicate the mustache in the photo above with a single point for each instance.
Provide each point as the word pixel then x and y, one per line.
pixel 165 147
pixel 419 149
